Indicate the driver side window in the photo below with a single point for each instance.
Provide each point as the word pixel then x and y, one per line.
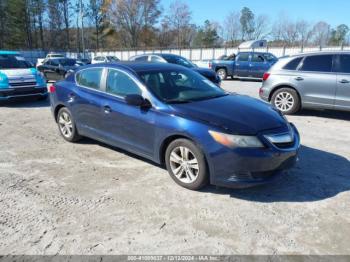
pixel 120 84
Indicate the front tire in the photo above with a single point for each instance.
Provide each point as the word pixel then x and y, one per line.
pixel 186 164
pixel 66 125
pixel 286 100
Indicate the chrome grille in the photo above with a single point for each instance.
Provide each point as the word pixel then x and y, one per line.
pixel 23 81
pixel 284 140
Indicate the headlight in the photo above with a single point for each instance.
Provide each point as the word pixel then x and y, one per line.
pixel 235 140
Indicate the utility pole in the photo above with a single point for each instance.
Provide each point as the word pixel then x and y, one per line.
pixel 82 26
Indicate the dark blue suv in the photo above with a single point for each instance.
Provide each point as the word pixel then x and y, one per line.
pixel 175 116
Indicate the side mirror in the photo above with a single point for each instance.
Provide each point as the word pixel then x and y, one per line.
pixel 137 100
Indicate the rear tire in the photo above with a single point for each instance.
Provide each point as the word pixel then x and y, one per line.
pixel 286 100
pixel 186 164
pixel 222 73
pixel 66 125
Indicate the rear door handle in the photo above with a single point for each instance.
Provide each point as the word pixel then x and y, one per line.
pixel 344 81
pixel 299 78
pixel 107 109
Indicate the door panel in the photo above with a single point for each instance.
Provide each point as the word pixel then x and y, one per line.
pixel 316 81
pixel 258 66
pixel 342 98
pixel 342 65
pixel 316 88
pixel 242 65
pixel 131 127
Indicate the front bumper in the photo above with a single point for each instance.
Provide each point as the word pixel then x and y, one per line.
pixel 22 92
pixel 246 167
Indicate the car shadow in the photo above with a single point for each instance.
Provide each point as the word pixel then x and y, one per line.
pixel 89 141
pixel 26 103
pixel 317 176
pixel 332 114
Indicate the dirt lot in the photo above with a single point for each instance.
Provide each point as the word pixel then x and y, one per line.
pixel 88 198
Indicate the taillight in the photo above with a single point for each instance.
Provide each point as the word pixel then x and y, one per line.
pixel 52 89
pixel 266 76
pixel 261 91
pixel 210 65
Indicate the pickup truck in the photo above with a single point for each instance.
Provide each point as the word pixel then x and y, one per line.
pixel 250 65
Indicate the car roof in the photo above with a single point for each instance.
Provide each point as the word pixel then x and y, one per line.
pixel 319 53
pixel 137 66
pixel 4 52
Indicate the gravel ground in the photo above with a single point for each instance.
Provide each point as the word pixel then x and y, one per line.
pixel 88 198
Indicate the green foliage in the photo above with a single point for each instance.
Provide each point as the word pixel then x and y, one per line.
pixel 207 35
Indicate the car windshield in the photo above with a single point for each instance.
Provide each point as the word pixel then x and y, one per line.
pixel 13 62
pixel 67 62
pixel 173 59
pixel 180 86
pixel 270 57
pixel 112 58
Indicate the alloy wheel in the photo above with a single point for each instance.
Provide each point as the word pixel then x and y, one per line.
pixel 284 101
pixel 65 124
pixel 184 164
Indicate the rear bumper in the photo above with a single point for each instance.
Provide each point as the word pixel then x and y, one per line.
pixel 16 93
pixel 250 167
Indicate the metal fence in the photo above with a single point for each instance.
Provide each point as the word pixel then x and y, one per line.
pixel 194 54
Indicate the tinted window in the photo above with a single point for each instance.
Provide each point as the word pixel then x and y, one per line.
pixel 141 58
pixel 317 63
pixel 269 57
pixel 67 62
pixel 156 59
pixel 119 83
pixel 344 64
pixel 13 61
pixel 293 65
pixel 258 58
pixel 244 57
pixel 90 78
pixel 174 59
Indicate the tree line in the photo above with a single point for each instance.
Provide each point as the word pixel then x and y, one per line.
pixel 76 25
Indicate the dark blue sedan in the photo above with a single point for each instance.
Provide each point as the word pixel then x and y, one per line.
pixel 176 117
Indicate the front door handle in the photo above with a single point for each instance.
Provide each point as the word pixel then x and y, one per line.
pixel 107 109
pixel 344 81
pixel 299 78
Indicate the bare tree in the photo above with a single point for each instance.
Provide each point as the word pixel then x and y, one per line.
pixel 304 31
pixel 179 17
pixel 66 6
pixel 321 32
pixel 232 27
pixel 261 27
pixel 131 16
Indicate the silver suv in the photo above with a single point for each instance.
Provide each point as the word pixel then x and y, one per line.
pixel 311 80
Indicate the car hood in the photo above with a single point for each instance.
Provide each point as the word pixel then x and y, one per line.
pixel 236 113
pixel 205 72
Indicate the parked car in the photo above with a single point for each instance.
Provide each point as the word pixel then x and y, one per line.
pixel 175 116
pixel 316 80
pixel 104 59
pixel 178 60
pixel 40 61
pixel 250 65
pixel 19 79
pixel 57 68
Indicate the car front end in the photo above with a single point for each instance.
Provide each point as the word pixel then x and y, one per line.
pixel 252 163
pixel 18 79
pixel 20 83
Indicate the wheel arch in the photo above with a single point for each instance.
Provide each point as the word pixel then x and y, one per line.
pixel 58 108
pixel 276 88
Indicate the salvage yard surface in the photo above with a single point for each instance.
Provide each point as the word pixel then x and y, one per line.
pixel 88 198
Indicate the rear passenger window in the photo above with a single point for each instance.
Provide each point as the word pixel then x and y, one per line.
pixel 318 63
pixel 141 58
pixel 344 64
pixel 90 78
pixel 258 58
pixel 293 65
pixel 120 84
pixel 243 57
